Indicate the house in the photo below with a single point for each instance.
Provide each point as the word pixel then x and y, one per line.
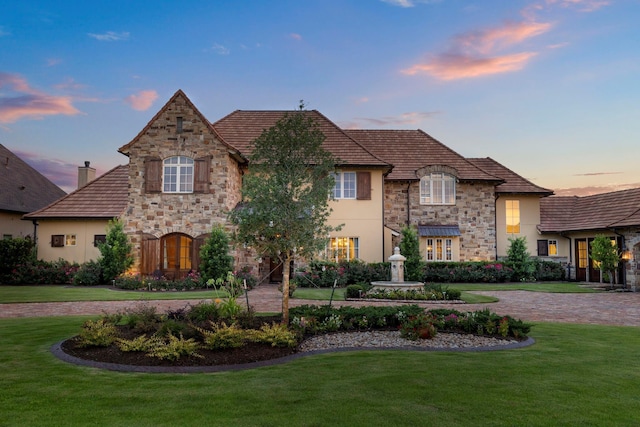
pixel 184 175
pixel 72 226
pixel 22 190
pixel 569 224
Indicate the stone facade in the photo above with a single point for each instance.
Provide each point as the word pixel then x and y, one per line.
pixel 474 213
pixel 158 214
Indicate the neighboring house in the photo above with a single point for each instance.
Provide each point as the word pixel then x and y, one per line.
pixel 568 225
pixel 22 190
pixel 71 227
pixel 185 174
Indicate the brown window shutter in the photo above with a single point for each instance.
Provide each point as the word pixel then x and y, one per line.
pixel 363 180
pixel 543 248
pixel 201 175
pixel 153 175
pixel 150 255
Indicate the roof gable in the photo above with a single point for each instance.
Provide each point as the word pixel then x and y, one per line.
pixel 411 150
pixel 178 97
pixel 104 197
pixel 22 188
pixel 242 127
pixel 513 183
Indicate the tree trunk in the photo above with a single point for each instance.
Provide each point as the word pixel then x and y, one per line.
pixel 285 289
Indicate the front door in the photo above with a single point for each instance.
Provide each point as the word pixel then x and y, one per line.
pixel 176 255
pixel 275 267
pixel 582 260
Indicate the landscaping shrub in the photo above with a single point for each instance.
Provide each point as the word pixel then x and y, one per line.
pixel 310 319
pixel 172 348
pixel 548 270
pixel 354 291
pixel 115 252
pixel 410 249
pixel 38 272
pixel 215 261
pixel 14 253
pixel 88 274
pixel 519 260
pixel 98 333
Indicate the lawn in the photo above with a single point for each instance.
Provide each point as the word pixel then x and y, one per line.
pixel 465 288
pixel 14 294
pixel 569 377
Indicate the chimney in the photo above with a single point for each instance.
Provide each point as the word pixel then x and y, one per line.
pixel 86 174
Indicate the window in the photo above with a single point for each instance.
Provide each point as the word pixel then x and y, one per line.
pixel 439 249
pixel 438 189
pixel 513 216
pixel 583 258
pixel 178 175
pixel 99 239
pixel 345 186
pixel 343 248
pixel 57 241
pixel 179 125
pixel 547 247
pixel 70 240
pixel 7 236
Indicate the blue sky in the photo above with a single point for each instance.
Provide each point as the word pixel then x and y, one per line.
pixel 549 88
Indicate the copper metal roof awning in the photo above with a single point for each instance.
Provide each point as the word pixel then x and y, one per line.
pixel 438 230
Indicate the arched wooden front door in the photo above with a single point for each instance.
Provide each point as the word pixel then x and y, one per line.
pixel 176 255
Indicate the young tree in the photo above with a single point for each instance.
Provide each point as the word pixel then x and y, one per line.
pixel 116 251
pixel 605 253
pixel 215 261
pixel 519 259
pixel 285 194
pixel 410 249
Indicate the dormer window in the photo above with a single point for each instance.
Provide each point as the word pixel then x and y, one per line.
pixel 438 189
pixel 177 175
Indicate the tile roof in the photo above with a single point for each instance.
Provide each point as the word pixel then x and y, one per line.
pixel 597 212
pixel 242 127
pixel 410 150
pixel 513 183
pixel 104 197
pixel 22 188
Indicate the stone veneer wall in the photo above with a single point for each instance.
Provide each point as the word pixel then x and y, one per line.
pixel 192 214
pixel 474 213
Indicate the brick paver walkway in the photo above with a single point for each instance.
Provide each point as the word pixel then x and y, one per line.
pixel 597 308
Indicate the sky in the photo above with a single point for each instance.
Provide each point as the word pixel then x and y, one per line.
pixel 548 88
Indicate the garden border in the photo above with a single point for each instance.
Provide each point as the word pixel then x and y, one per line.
pixel 57 351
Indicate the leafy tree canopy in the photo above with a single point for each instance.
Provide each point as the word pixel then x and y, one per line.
pixel 605 253
pixel 286 193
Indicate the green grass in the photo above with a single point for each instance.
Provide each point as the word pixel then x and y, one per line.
pixel 569 377
pixel 319 294
pixel 466 289
pixel 14 294
pixel 553 287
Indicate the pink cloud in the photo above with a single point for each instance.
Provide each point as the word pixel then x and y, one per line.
pixel 453 67
pixel 142 100
pixel 480 53
pixel 26 102
pixel 295 36
pixel 410 118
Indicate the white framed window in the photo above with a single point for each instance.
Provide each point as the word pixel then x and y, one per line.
pixel 177 176
pixel 512 208
pixel 343 248
pixel 345 186
pixel 439 249
pixel 438 189
pixel 70 240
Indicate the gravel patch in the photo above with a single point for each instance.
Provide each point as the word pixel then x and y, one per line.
pixel 392 339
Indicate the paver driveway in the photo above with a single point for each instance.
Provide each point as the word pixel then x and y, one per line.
pixel 613 308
